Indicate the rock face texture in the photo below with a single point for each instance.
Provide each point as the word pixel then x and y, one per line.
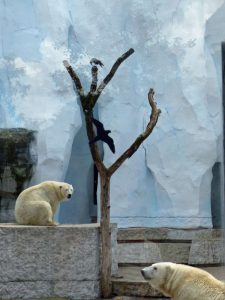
pixel 18 158
pixel 35 91
pixel 177 52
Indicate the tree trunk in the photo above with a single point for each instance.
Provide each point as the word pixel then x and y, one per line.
pixel 88 102
pixel 105 236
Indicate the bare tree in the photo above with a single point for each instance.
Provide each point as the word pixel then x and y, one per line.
pixel 88 102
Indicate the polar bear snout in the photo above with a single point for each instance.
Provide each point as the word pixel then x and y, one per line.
pixel 143 273
pixel 150 272
pixel 147 272
pixel 69 196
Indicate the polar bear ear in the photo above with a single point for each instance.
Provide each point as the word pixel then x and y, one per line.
pixel 169 268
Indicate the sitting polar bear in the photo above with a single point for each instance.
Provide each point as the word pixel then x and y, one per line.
pixel 37 204
pixel 181 282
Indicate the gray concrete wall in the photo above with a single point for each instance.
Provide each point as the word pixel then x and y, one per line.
pixel 38 262
pixel 149 245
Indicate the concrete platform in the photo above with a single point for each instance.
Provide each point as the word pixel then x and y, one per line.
pixel 46 262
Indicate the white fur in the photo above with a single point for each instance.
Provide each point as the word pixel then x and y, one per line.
pixel 37 205
pixel 181 282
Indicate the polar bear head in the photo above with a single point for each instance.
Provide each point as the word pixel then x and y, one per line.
pixel 66 190
pixel 158 273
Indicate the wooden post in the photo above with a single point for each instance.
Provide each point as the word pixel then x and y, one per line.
pixel 106 255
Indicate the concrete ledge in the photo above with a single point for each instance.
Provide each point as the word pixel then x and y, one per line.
pixel 148 253
pixel 206 252
pixel 188 246
pixel 40 261
pixel 156 234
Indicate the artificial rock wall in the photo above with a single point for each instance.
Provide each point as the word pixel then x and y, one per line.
pixel 177 52
pixel 18 158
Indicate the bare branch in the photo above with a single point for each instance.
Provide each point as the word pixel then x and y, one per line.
pixel 111 74
pixel 74 77
pixel 88 113
pixel 94 74
pixel 139 140
pixel 94 147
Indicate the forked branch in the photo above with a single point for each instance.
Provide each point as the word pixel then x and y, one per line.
pixel 91 99
pixel 110 75
pixel 88 102
pixel 94 74
pixel 75 78
pixel 139 140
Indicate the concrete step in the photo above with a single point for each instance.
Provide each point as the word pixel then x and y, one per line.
pixel 167 234
pixel 189 246
pixel 130 282
pixel 136 298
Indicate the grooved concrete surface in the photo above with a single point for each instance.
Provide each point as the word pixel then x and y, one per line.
pixel 40 261
pixel 188 246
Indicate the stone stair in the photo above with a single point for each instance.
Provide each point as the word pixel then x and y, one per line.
pixel 138 247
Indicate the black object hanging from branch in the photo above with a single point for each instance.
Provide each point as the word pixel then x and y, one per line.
pixel 102 135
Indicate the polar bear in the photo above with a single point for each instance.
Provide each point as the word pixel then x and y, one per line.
pixel 181 282
pixel 37 204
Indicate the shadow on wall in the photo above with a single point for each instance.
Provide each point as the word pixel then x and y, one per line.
pixel 216 196
pixel 82 208
pixel 80 175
